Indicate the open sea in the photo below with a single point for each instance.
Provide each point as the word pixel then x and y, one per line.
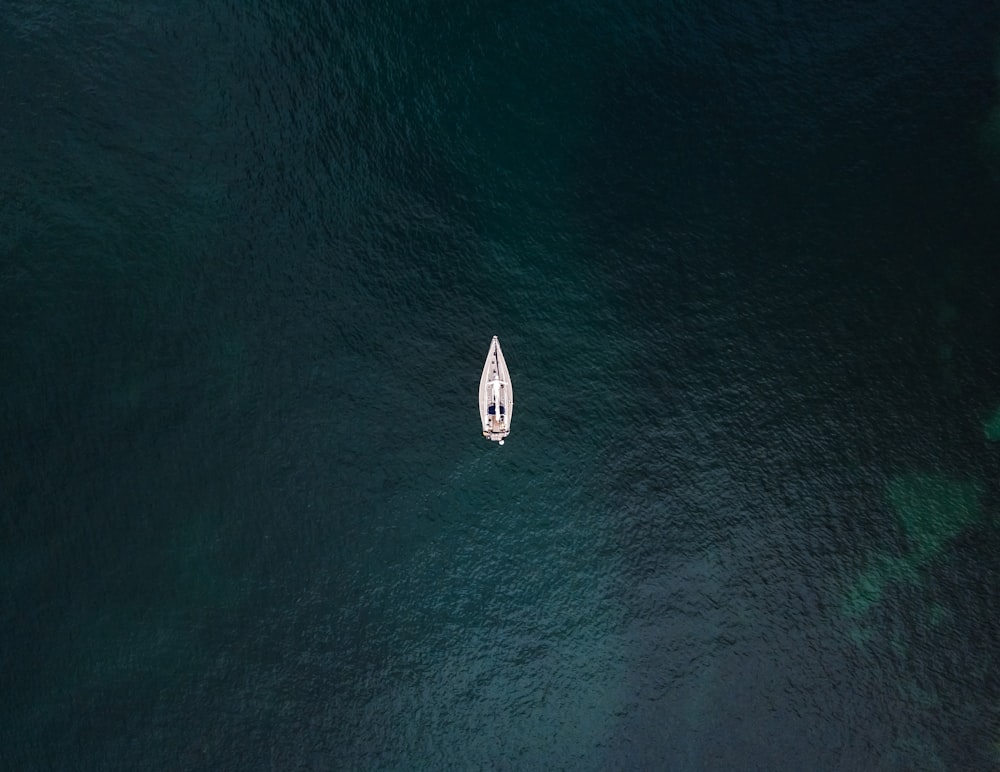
pixel 743 258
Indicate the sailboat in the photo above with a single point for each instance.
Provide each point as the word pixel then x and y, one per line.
pixel 496 396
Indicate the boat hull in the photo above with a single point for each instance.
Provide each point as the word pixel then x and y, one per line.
pixel 496 395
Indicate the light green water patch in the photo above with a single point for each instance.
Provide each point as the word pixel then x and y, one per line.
pixel 869 588
pixel 991 427
pixel 920 695
pixel 937 614
pixel 860 635
pixel 933 510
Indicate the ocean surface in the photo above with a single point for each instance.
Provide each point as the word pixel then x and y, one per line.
pixel 743 259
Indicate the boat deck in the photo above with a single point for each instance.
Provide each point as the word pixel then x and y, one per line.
pixel 496 395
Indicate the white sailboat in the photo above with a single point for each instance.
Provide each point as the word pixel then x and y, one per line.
pixel 496 395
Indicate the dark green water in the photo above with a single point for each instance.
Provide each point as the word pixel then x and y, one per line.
pixel 743 262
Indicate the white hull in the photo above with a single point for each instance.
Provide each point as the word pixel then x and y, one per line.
pixel 496 395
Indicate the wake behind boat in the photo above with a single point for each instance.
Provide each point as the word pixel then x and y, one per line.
pixel 496 396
